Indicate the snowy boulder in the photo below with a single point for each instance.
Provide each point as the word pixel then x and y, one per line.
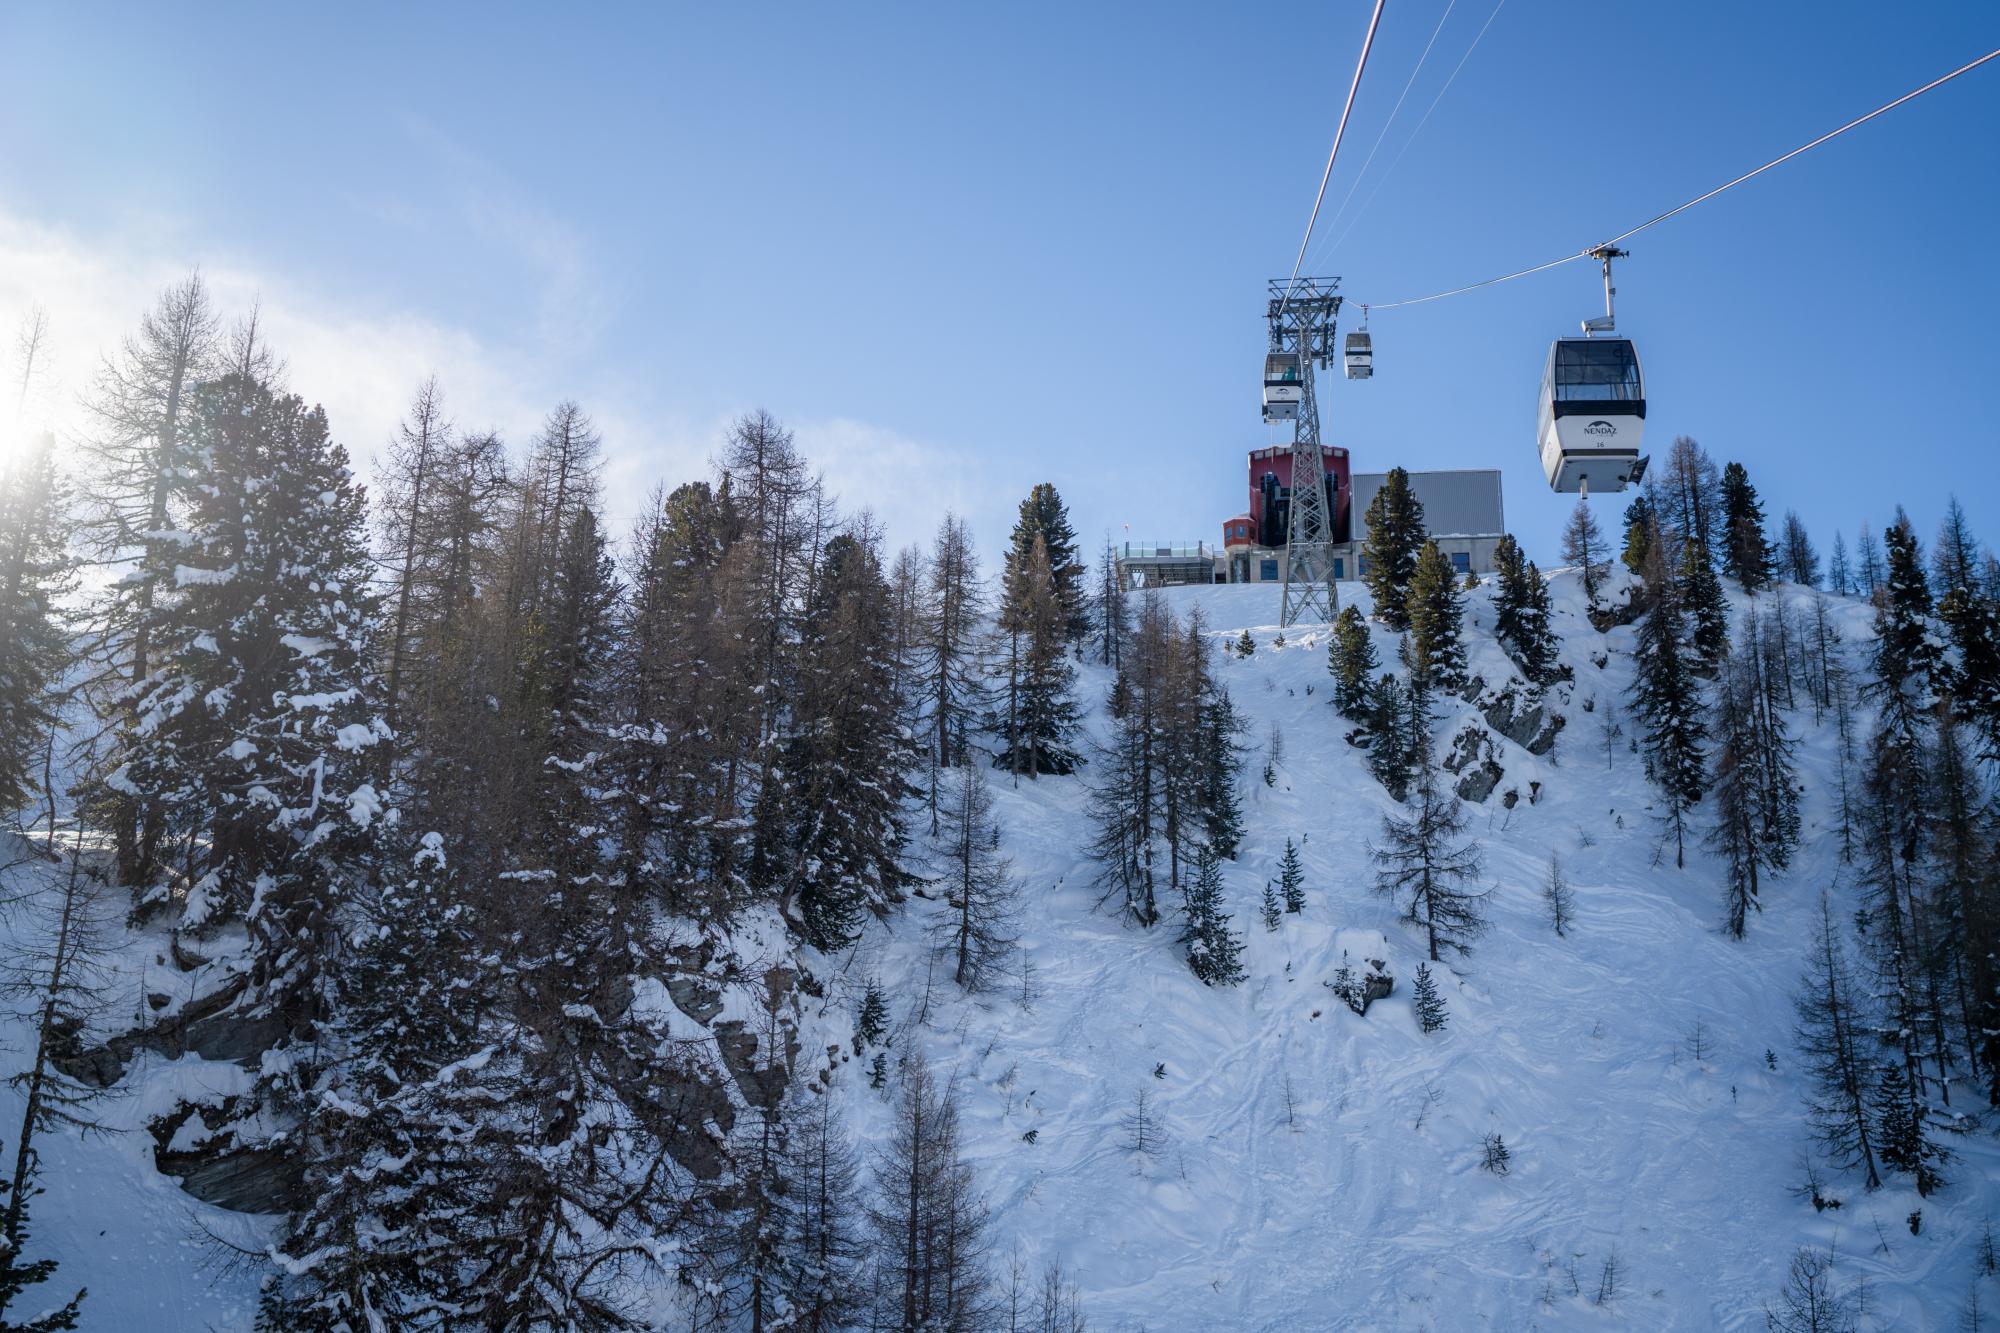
pixel 1524 720
pixel 1472 759
pixel 1361 986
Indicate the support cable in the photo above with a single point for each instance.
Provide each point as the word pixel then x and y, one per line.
pixel 1698 199
pixel 1340 133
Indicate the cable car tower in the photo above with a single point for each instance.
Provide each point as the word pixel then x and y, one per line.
pixel 1302 312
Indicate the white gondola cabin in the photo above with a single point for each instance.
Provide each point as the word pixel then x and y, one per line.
pixel 1284 386
pixel 1360 355
pixel 1593 415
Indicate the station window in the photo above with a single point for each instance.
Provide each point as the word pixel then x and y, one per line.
pixel 1267 571
pixel 1339 567
pixel 1461 562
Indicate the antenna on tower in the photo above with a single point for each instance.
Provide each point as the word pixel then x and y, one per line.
pixel 1302 312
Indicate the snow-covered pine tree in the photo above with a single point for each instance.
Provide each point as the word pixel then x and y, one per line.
pixel 822 1250
pixel 1352 660
pixel 389 1162
pixel 1424 863
pixel 1583 548
pixel 1126 800
pixel 1221 757
pixel 1967 860
pixel 1040 722
pixel 1292 878
pixel 1737 784
pixel 1798 557
pixel 1901 1133
pixel 1746 551
pixel 1536 646
pixel 1390 706
pixel 37 574
pixel 1432 607
pixel 1830 1034
pixel 976 931
pixel 1510 593
pixel 1395 526
pixel 585 1113
pixel 1427 1002
pixel 1214 950
pixel 1707 609
pixel 1043 514
pixel 1640 532
pixel 844 763
pixel 1778 796
pixel 139 466
pixel 259 718
pixel 1273 915
pixel 1668 701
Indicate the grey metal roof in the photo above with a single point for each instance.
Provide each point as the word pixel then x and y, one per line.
pixel 1461 503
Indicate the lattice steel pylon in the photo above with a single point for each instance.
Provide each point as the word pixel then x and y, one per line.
pixel 1302 312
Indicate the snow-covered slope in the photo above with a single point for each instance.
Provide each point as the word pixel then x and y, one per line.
pixel 1364 1204
pixel 1319 1169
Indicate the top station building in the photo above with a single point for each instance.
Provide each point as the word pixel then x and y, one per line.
pixel 1462 513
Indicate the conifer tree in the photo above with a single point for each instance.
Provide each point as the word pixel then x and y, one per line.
pixel 1395 525
pixel 1746 551
pixel 1352 660
pixel 1220 757
pixel 948 641
pixel 1510 572
pixel 873 1022
pixel 1707 609
pixel 1868 564
pixel 1436 646
pixel 844 763
pixel 929 1220
pixel 1830 1037
pixel 260 711
pixel 1668 700
pixel 1558 899
pixel 1292 878
pixel 58 965
pixel 36 576
pixel 140 465
pixel 1043 515
pixel 1041 720
pixel 1214 950
pixel 1269 909
pixel 1900 1130
pixel 822 1250
pixel 1424 862
pixel 1536 646
pixel 1967 860
pixel 411 993
pixel 1391 710
pixel 1640 533
pixel 1428 1003
pixel 1798 557
pixel 1737 785
pixel 1584 549
pixel 976 933
pixel 1839 574
pixel 1113 618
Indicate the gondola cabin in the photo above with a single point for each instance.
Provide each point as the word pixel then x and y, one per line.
pixel 1284 386
pixel 1360 355
pixel 1593 415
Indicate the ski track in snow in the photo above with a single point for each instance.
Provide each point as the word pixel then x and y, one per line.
pixel 1574 1049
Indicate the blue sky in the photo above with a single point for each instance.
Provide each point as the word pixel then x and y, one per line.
pixel 965 249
